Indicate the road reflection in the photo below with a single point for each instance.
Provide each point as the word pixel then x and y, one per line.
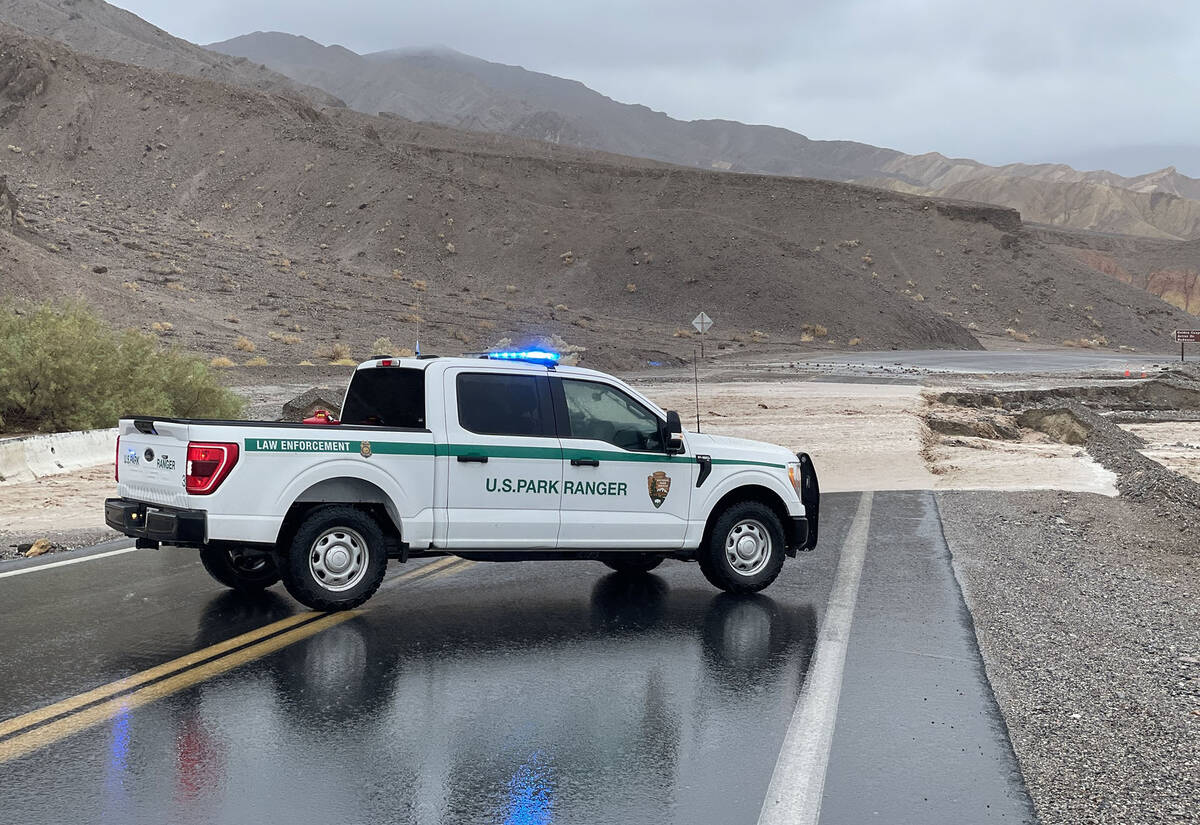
pixel 636 702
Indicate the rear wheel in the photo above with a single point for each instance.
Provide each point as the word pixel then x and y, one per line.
pixel 336 559
pixel 633 562
pixel 744 552
pixel 247 571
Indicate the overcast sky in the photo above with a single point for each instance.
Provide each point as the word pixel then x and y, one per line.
pixel 1022 80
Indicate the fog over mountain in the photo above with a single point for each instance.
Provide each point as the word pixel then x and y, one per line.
pixel 1024 81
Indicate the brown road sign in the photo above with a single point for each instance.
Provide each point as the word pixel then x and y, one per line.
pixel 1188 335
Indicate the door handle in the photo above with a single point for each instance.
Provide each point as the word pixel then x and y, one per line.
pixel 473 459
pixel 585 462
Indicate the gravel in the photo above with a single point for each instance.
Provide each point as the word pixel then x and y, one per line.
pixel 1088 617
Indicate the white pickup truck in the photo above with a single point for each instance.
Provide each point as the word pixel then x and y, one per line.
pixel 502 458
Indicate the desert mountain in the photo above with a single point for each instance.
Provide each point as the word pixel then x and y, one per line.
pixel 228 221
pixel 101 29
pixel 444 86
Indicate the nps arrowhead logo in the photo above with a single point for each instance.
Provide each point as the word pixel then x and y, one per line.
pixel 659 484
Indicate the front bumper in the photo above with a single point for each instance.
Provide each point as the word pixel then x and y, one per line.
pixel 803 532
pixel 154 522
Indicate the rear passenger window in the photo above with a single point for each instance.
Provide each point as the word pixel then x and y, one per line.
pixel 386 397
pixel 499 404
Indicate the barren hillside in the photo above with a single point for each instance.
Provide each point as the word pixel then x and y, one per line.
pixel 448 87
pixel 101 29
pixel 218 213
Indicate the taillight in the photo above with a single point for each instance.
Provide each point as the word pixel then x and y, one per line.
pixel 117 461
pixel 207 466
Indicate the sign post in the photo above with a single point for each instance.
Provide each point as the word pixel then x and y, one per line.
pixel 1186 335
pixel 703 323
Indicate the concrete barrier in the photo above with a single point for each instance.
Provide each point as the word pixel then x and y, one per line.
pixel 35 456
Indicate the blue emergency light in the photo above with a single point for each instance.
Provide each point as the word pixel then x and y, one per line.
pixel 533 356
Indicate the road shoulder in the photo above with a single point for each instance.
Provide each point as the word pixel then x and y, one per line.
pixel 1087 615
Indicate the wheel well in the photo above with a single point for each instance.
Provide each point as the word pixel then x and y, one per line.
pixel 348 492
pixel 749 492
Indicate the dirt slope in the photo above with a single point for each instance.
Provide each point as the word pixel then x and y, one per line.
pixel 101 29
pixel 225 213
pixel 448 87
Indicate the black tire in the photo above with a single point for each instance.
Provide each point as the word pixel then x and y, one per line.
pixel 754 520
pixel 244 572
pixel 336 526
pixel 633 563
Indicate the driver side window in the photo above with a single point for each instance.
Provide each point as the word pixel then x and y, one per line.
pixel 604 413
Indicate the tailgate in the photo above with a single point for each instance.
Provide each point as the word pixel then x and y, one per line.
pixel 152 460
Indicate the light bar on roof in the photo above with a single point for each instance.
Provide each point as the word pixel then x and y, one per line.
pixel 533 356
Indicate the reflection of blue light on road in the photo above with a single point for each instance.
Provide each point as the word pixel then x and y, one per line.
pixel 530 794
pixel 114 785
pixel 119 749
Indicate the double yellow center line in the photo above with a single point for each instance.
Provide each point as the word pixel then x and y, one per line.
pixel 38 728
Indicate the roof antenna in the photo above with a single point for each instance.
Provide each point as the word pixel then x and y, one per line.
pixel 696 377
pixel 418 350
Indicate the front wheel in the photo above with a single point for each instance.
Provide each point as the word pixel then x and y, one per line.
pixel 744 552
pixel 336 559
pixel 633 563
pixel 243 570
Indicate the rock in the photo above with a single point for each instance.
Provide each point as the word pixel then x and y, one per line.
pixel 38 548
pixel 99 269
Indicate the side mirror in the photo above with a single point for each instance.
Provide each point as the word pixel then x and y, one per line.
pixel 674 435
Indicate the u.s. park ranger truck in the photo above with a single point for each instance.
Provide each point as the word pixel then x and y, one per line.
pixel 505 457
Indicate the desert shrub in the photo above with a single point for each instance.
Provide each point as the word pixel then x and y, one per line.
pixel 854 342
pixel 384 346
pixel 62 368
pixel 244 344
pixel 344 362
pixel 221 362
pixel 257 361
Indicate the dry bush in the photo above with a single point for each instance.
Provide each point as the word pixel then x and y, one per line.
pixel 244 344
pixel 305 363
pixel 384 346
pixel 815 330
pixel 760 336
pixel 176 286
pixel 485 324
pixel 418 285
pixel 291 339
pixel 681 333
pixel 510 288
pixel 976 287
pixel 561 308
pixel 806 337
pixel 162 326
pixel 285 313
pixel 919 298
pixel 854 342
pixel 340 351
pixel 257 361
pixel 410 318
pixel 631 287
pixel 459 335
pixel 275 335
pixel 220 361
pixel 1016 335
pixel 849 244
pixel 343 362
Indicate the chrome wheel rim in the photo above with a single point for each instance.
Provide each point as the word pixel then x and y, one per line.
pixel 748 547
pixel 338 559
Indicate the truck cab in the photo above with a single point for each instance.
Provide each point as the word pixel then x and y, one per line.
pixel 494 458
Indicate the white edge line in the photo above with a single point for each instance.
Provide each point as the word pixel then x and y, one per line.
pixel 798 782
pixel 65 562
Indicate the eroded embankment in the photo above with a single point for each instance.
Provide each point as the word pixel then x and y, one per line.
pixel 1086 417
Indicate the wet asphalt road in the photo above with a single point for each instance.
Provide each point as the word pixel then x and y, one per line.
pixel 497 693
